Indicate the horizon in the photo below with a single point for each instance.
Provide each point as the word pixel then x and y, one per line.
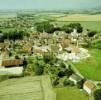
pixel 49 4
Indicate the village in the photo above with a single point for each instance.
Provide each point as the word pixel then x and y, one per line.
pixel 48 49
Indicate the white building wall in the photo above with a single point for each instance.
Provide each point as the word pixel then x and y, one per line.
pixel 89 91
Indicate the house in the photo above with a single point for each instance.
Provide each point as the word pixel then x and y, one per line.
pixel 12 62
pixel 72 49
pixel 89 86
pixel 75 78
pixel 41 50
pixel 75 34
pixel 65 43
pixel 17 71
pixel 2 45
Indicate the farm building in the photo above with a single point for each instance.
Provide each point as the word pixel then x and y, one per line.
pixel 12 62
pixel 89 86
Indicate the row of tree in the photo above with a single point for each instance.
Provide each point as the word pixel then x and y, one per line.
pixel 13 35
pixel 50 28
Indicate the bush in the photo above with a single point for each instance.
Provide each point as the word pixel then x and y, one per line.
pixel 39 70
pixel 68 72
pixel 71 83
pixel 97 94
pixel 39 67
pixel 50 58
pixel 55 82
pixel 91 33
pixel 61 74
pixel 66 83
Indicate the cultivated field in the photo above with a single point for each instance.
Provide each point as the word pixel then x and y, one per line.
pixel 29 88
pixel 92 22
pixel 80 17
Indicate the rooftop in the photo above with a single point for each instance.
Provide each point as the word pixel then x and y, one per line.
pixel 89 84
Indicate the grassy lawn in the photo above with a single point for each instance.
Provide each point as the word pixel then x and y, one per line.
pixel 70 93
pixel 91 68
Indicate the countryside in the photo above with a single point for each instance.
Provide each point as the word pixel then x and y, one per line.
pixel 49 53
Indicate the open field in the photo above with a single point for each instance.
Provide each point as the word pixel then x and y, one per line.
pixel 28 88
pixel 80 17
pixel 92 22
pixel 70 93
pixel 91 68
pixel 92 25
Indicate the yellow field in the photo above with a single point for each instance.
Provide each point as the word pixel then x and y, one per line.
pixel 80 17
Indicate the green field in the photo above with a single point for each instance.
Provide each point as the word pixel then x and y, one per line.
pixel 92 25
pixel 92 22
pixel 28 88
pixel 7 29
pixel 70 93
pixel 91 68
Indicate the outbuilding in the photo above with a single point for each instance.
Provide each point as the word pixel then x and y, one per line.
pixel 89 86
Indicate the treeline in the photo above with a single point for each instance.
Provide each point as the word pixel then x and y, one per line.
pixel 50 28
pixel 13 35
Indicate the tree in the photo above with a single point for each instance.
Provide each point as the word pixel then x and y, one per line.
pixel 97 94
pixel 69 28
pixel 55 81
pixel 80 83
pixel 39 67
pixel 66 82
pixel 91 33
pixel 13 35
pixel 61 74
pixel 44 26
pixel 50 58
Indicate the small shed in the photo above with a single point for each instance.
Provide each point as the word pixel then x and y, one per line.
pixel 89 86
